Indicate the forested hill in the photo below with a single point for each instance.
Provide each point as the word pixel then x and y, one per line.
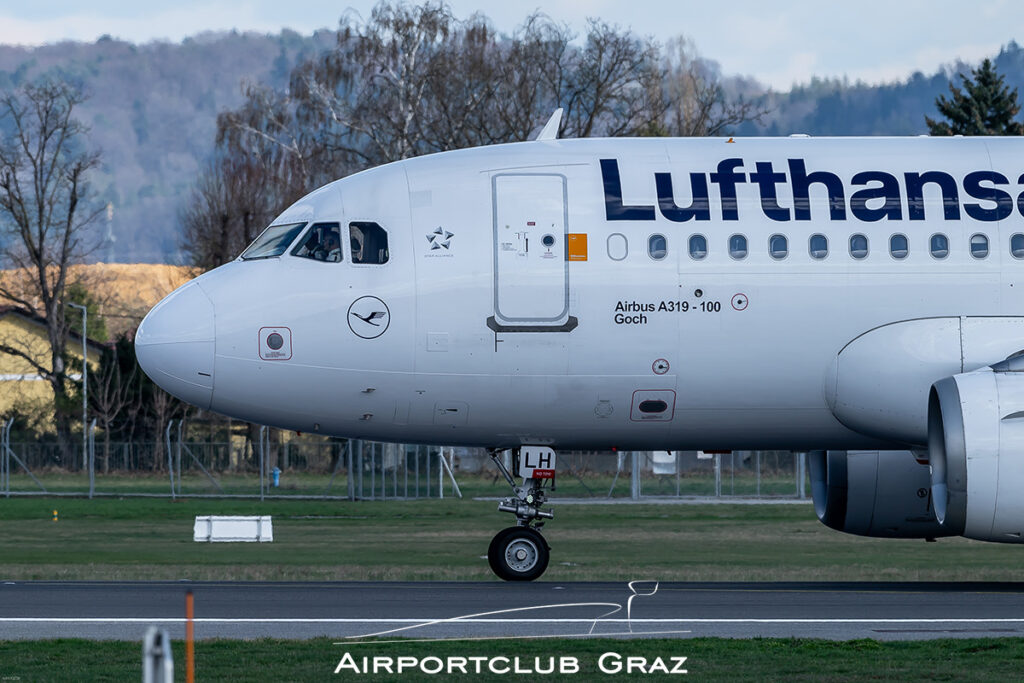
pixel 832 107
pixel 153 109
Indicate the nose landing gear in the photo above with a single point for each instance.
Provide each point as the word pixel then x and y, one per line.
pixel 520 553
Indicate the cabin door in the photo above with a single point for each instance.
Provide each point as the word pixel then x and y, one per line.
pixel 531 274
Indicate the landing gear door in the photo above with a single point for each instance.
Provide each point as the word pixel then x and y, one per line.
pixel 531 275
pixel 536 462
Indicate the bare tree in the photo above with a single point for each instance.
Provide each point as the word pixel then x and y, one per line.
pixel 265 130
pixel 44 213
pixel 612 86
pixel 463 111
pixel 696 103
pixel 165 408
pixel 265 161
pixel 370 94
pixel 230 203
pixel 532 78
pixel 413 79
pixel 110 392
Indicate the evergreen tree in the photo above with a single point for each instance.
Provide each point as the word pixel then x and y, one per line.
pixel 986 108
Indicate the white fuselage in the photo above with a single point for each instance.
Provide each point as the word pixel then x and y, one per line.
pixel 494 338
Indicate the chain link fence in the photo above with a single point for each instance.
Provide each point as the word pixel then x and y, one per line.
pixel 314 467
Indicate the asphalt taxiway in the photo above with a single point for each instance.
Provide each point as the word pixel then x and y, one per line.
pixel 840 611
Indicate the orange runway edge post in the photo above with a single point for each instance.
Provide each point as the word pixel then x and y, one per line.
pixel 190 648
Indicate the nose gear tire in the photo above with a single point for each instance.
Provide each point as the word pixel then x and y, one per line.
pixel 518 553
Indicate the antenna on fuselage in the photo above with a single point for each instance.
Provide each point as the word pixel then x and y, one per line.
pixel 550 129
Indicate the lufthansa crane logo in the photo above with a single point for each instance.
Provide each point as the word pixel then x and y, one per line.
pixel 368 317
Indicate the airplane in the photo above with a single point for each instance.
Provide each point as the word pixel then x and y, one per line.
pixel 858 299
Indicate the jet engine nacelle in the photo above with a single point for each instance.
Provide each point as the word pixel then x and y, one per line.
pixel 976 450
pixel 878 384
pixel 874 493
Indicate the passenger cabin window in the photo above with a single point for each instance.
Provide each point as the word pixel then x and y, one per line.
pixel 657 247
pixel 618 247
pixel 738 247
pixel 899 247
pixel 818 246
pixel 1017 245
pixel 322 242
pixel 979 246
pixel 858 246
pixel 273 241
pixel 369 243
pixel 698 247
pixel 939 245
pixel 778 247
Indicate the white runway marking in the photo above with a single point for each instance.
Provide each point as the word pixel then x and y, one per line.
pixel 455 621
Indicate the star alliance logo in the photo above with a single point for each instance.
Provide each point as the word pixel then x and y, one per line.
pixel 440 239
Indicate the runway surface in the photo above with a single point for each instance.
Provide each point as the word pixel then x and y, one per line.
pixel 112 610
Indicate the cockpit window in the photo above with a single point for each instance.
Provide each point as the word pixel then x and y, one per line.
pixel 369 242
pixel 273 241
pixel 321 243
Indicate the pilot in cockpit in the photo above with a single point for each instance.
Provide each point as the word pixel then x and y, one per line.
pixel 331 248
pixel 308 247
pixel 322 243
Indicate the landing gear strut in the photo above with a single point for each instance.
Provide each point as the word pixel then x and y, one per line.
pixel 520 553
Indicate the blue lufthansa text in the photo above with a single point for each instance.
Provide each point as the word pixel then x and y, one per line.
pixel 870 196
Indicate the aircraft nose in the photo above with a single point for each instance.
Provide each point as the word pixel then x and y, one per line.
pixel 175 345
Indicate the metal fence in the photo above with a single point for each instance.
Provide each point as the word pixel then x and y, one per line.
pixel 354 470
pixel 681 474
pixel 362 470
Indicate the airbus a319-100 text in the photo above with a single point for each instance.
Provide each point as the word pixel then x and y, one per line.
pixel 861 299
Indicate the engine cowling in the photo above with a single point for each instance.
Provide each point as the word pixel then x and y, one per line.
pixel 878 383
pixel 976 450
pixel 874 493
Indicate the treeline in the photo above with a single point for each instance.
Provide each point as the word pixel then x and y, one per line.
pixel 839 107
pixel 48 207
pixel 153 108
pixel 413 80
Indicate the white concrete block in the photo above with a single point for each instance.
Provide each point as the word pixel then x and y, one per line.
pixel 228 529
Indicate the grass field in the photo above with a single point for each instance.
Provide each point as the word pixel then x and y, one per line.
pixel 142 538
pixel 394 485
pixel 147 538
pixel 707 659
